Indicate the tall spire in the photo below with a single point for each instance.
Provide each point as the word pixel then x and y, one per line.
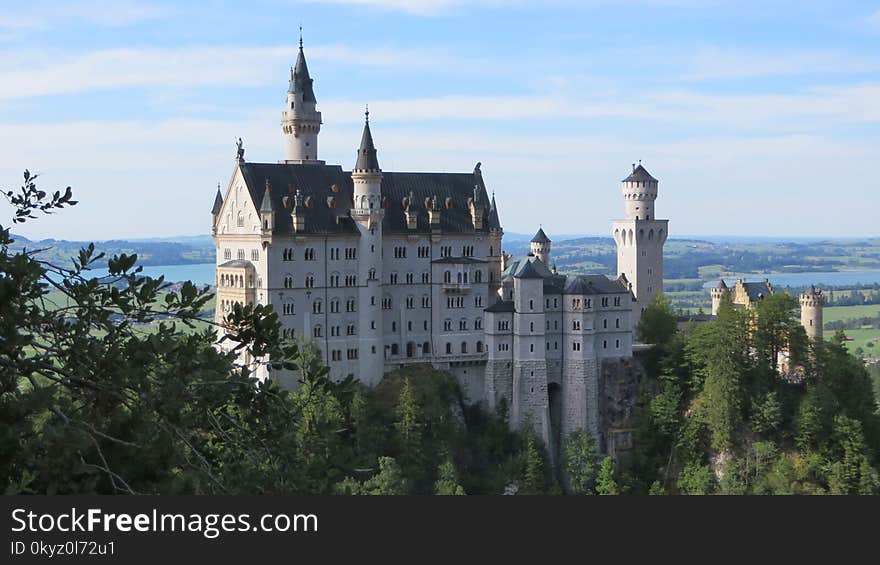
pixel 266 205
pixel 367 160
pixel 218 202
pixel 300 81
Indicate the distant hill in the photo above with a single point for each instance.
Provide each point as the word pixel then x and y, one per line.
pixel 183 250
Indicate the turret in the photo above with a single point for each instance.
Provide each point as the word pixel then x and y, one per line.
pixel 367 178
pixel 540 246
pixel 639 193
pixel 300 120
pixel 267 212
pixel 812 302
pixel 718 293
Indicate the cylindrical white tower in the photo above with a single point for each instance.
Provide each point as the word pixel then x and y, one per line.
pixel 639 193
pixel 540 247
pixel 300 120
pixel 812 302
pixel 367 212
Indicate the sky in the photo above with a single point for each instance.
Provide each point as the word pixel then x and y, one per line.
pixel 758 118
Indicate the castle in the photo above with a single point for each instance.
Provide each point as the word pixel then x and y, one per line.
pixel 745 294
pixel 388 269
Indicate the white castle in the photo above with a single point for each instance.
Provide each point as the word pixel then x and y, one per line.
pixel 388 269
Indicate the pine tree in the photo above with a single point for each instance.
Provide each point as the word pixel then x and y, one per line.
pixel 606 483
pixel 533 474
pixel 447 480
pixel 581 462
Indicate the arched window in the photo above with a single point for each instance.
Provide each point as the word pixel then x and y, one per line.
pixel 426 348
pixel 447 277
pixel 394 349
pixel 318 331
pixel 464 347
pixel 479 347
pixel 240 219
pixel 448 348
pixel 288 281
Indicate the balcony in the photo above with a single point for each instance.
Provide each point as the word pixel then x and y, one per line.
pixel 456 288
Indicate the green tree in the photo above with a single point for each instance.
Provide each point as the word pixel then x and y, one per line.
pixel 447 480
pixel 606 482
pixel 533 467
pixel 581 462
pixel 658 323
pixel 90 403
pixel 695 479
pixel 389 480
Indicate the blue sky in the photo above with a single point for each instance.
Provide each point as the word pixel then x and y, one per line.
pixel 759 118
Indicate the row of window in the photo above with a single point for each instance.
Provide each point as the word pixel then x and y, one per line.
pixel 575 346
pixel 463 324
pixel 240 254
pixel 351 354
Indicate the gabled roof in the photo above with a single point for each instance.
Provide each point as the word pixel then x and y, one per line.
pixel 218 203
pixel 721 285
pixel 640 174
pixel 757 290
pixel 300 81
pixel 527 271
pixel 541 237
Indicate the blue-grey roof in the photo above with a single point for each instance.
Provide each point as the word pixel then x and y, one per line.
pixel 501 306
pixel 218 203
pixel 239 263
pixel 527 271
pixel 541 237
pixel 300 81
pixel 757 290
pixel 331 192
pixel 367 160
pixel 640 174
pixel 266 206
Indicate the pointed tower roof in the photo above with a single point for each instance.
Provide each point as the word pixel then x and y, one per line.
pixel 541 237
pixel 266 206
pixel 721 285
pixel 367 160
pixel 218 202
pixel 300 81
pixel 639 174
pixel 494 221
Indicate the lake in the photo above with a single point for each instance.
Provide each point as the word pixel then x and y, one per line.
pixel 839 278
pixel 199 273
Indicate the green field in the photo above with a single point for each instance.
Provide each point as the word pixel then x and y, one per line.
pixel 843 313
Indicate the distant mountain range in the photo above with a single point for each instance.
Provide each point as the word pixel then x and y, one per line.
pixel 685 258
pixel 181 250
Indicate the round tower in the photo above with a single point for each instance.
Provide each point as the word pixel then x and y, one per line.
pixel 639 193
pixel 540 247
pixel 718 293
pixel 367 212
pixel 812 302
pixel 300 120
